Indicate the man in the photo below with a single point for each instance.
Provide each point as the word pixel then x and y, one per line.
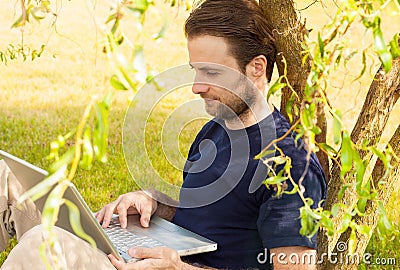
pixel 232 53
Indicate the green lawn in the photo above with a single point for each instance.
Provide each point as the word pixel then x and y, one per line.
pixel 45 98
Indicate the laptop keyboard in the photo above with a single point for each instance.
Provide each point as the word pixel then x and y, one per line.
pixel 123 239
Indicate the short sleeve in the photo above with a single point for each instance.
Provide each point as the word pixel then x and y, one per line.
pixel 279 223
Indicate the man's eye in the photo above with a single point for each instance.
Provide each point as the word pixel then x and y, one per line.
pixel 212 73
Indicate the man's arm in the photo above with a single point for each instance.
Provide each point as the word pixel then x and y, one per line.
pixel 294 258
pixel 165 211
pixel 165 205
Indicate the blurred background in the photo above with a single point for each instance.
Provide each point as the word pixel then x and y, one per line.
pixel 44 98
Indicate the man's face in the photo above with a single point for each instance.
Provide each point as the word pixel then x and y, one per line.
pixel 226 91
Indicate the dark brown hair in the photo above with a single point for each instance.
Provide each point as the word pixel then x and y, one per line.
pixel 241 23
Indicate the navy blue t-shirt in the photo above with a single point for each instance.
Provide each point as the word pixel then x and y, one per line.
pixel 223 198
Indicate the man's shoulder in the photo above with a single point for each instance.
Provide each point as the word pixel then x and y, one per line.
pixel 212 125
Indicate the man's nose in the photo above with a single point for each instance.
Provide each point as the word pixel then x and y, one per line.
pixel 199 87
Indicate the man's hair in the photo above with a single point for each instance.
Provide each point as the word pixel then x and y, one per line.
pixel 241 23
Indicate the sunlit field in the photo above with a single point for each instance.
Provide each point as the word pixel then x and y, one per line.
pixel 46 97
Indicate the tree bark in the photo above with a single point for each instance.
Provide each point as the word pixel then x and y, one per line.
pixel 381 98
pixel 383 94
pixel 371 214
pixel 289 34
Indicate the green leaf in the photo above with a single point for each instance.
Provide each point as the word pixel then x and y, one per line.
pixel 116 83
pixel 361 204
pixel 278 85
pixel 87 155
pixel 111 18
pixel 279 160
pixel 321 45
pixel 380 155
pixel 293 191
pixel 381 48
pixel 52 206
pixel 335 209
pixel 345 222
pixel 384 225
pixel 309 226
pixel 142 4
pixel 108 98
pixel 35 15
pixel 140 65
pixel 364 229
pixel 274 180
pixel 364 66
pixel 100 133
pixel 306 119
pixel 19 22
pixel 163 30
pixel 343 190
pixel 327 223
pixel 327 148
pixel 75 221
pixel 64 160
pixel 352 241
pixel 337 126
pixel 266 153
pixel 360 166
pixel 346 156
pixel 394 46
pixel 44 186
pixel 288 108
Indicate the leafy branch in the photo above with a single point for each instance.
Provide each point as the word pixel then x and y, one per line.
pixel 326 55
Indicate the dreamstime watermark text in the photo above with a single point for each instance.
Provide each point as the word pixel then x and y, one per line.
pixel 339 257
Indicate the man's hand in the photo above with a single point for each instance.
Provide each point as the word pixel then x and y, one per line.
pixel 138 202
pixel 153 258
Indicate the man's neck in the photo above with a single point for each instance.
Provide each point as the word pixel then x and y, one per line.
pixel 252 116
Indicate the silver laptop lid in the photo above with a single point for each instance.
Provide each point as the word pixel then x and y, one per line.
pixel 29 175
pixel 183 241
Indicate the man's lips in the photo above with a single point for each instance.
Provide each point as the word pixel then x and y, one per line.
pixel 209 100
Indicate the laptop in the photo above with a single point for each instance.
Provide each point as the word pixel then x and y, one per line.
pixel 113 240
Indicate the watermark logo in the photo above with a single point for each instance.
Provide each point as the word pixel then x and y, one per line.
pixel 340 257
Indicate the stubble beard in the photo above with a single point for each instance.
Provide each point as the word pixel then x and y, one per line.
pixel 235 107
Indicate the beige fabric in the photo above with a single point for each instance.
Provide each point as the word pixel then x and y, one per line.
pixel 15 219
pixel 23 221
pixel 75 253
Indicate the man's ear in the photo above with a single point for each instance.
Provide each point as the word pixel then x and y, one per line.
pixel 257 66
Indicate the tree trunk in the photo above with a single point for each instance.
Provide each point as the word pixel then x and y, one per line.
pixel 289 33
pixel 371 214
pixel 381 98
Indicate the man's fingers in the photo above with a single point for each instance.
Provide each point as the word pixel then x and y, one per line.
pixel 100 215
pixel 145 215
pixel 144 253
pixel 114 261
pixel 122 212
pixel 105 214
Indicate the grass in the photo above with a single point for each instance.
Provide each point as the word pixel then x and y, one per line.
pixel 46 97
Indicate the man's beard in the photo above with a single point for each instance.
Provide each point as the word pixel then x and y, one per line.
pixel 234 109
pixel 235 105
